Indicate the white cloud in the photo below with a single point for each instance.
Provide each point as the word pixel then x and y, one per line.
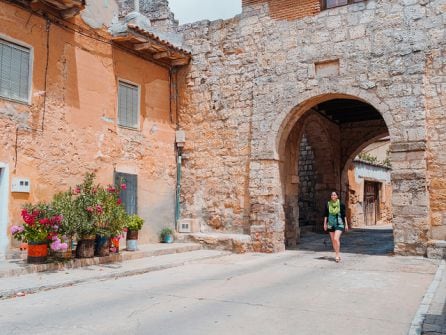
pixel 187 11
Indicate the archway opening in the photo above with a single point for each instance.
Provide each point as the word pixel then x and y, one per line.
pixel 319 154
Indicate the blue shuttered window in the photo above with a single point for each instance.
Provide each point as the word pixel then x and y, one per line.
pixel 128 105
pixel 129 196
pixel 14 71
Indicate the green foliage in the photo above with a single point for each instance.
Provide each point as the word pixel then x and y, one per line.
pixel 368 158
pixel 134 222
pixel 65 204
pixel 165 232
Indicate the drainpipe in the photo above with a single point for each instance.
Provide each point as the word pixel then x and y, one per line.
pixel 180 137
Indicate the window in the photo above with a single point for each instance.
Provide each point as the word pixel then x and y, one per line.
pixel 129 196
pixel 128 105
pixel 14 71
pixel 326 4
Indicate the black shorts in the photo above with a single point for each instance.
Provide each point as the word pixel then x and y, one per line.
pixel 333 229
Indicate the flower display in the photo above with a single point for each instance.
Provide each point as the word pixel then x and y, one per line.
pixel 41 224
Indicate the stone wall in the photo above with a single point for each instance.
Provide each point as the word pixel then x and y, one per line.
pixel 435 88
pixel 253 77
pixel 307 183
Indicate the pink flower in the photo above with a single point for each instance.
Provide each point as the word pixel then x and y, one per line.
pixel 123 186
pixel 119 201
pixel 16 229
pixel 90 209
pixel 99 209
pixel 77 190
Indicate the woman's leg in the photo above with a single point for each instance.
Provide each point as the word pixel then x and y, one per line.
pixel 333 241
pixel 337 242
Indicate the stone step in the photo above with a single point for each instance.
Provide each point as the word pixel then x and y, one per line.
pixel 436 249
pixel 44 281
pixel 17 267
pixel 237 243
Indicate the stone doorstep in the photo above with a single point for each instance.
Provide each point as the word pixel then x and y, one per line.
pixel 237 243
pixel 436 249
pixel 20 267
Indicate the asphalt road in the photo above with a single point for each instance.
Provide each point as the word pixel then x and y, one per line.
pixel 296 292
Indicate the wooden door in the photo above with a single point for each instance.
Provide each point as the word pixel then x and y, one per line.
pixel 371 203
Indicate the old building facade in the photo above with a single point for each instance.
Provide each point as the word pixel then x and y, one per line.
pixel 74 99
pixel 340 78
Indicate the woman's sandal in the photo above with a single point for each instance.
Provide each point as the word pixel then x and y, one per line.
pixel 338 259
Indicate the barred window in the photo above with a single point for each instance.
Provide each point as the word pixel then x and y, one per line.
pixel 14 71
pixel 128 105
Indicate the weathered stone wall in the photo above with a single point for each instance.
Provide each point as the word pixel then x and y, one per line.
pixel 436 128
pixel 54 142
pixel 253 77
pixel 307 183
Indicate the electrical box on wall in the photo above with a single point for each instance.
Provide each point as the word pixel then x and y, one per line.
pixel 20 185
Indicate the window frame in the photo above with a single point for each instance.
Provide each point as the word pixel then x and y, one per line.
pixel 4 39
pixel 138 86
pixel 349 2
pixel 116 175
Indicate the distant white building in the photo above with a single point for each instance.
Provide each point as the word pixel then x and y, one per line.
pixel 370 189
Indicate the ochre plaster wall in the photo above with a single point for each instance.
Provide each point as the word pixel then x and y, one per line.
pixel 76 132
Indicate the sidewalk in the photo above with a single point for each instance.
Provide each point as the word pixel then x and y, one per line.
pixel 18 278
pixel 430 318
pixel 434 321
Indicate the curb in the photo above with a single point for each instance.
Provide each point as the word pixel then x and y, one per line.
pixel 8 294
pixel 83 262
pixel 417 323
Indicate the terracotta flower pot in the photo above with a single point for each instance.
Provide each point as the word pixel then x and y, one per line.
pixel 37 252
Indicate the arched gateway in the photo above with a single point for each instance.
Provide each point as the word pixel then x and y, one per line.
pixel 306 154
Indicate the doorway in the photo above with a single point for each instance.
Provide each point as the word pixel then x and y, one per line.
pixel 4 182
pixel 371 203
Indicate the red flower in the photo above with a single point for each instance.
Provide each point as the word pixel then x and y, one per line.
pixel 111 189
pixel 123 186
pixel 99 209
pixel 29 219
pixel 119 201
pixel 90 209
pixel 77 190
pixel 45 221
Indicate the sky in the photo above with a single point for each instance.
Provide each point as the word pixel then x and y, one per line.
pixel 187 11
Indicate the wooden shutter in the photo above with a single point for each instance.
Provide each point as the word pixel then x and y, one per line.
pixel 128 105
pixel 129 196
pixel 14 71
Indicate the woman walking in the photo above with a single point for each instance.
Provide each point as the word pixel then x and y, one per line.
pixel 335 222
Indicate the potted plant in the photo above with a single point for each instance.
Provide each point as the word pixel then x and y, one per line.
pixel 166 235
pixel 41 227
pixel 86 209
pixel 133 225
pixel 64 204
pixel 110 217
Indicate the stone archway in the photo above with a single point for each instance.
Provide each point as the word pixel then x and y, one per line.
pixel 269 194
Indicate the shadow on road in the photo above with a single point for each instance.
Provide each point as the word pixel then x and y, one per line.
pixel 368 241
